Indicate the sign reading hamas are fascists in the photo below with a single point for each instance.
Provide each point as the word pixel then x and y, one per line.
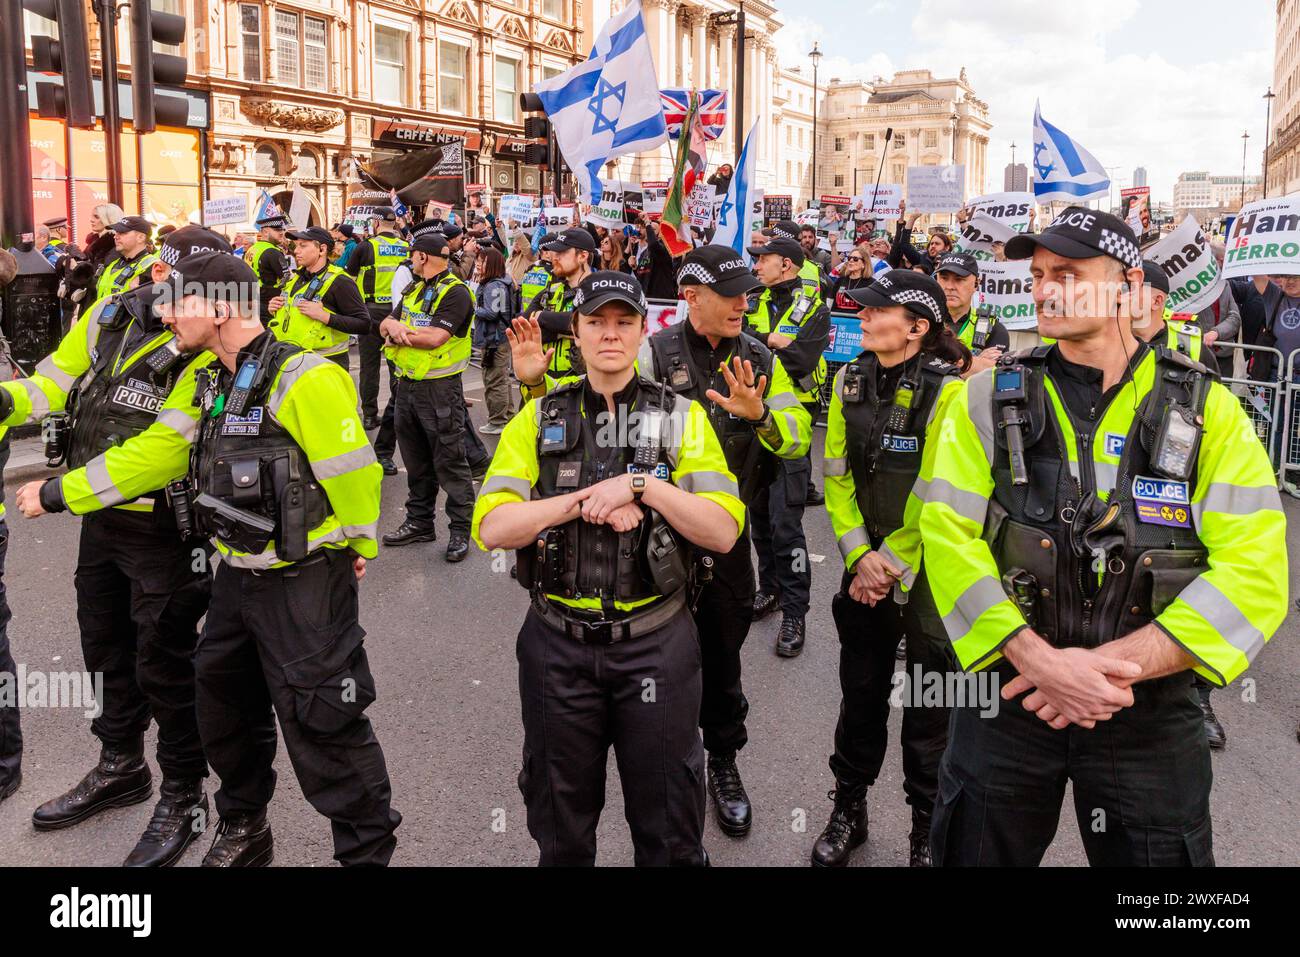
pixel 1009 289
pixel 1265 239
pixel 1195 280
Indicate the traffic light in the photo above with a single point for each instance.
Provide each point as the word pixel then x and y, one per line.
pixel 68 56
pixel 149 26
pixel 541 150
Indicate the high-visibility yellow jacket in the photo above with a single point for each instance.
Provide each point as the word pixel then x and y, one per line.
pixel 419 306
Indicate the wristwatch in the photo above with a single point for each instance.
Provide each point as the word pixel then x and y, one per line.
pixel 638 485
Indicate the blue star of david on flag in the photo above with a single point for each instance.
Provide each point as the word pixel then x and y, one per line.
pixel 726 207
pixel 605 91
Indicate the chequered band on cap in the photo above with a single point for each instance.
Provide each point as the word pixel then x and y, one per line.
pixel 170 255
pixel 696 271
pixel 904 296
pixel 1121 248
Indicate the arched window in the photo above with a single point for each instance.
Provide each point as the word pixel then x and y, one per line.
pixel 266 162
pixel 308 165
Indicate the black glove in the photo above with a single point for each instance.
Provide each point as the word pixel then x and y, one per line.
pixel 52 496
pixel 6 404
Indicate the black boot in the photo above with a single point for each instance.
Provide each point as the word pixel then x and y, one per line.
pixel 918 854
pixel 387 464
pixel 846 829
pixel 728 794
pixel 180 816
pixel 119 779
pixel 789 640
pixel 409 532
pixel 457 548
pixel 243 840
pixel 764 605
pixel 1214 732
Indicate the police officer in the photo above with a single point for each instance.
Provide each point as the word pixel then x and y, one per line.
pixel 267 259
pixel 537 278
pixel 320 307
pixel 428 341
pixel 790 318
pixel 283 479
pixel 1101 523
pixel 754 412
pixel 374 264
pixel 57 245
pixel 571 255
pixel 141 586
pixel 601 485
pixel 976 326
pixel 881 407
pixel 130 260
pixel 811 270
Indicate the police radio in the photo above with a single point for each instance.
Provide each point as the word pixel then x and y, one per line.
pixel 649 439
pixel 983 326
pixel 164 357
pixel 1009 393
pixel 900 411
pixel 1176 442
pixel 245 378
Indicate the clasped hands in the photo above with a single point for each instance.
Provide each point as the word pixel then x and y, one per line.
pixel 610 502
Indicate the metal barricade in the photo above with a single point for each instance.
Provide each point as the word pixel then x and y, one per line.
pixel 1290 444
pixel 1261 398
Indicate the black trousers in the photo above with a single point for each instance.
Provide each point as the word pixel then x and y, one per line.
pixel 776 516
pixel 289 640
pixel 431 434
pixel 369 351
pixel 1141 783
pixel 643 697
pixel 868 636
pixel 723 615
pixel 141 591
pixel 11 734
pixel 386 437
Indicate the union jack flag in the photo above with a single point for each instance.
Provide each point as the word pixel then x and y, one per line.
pixel 713 111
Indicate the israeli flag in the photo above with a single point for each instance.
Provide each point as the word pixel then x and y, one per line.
pixel 266 207
pixel 1063 169
pixel 733 215
pixel 608 106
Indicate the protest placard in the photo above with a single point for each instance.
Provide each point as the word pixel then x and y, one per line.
pixel 756 213
pixel 979 233
pixel 1013 210
pixel 1184 256
pixel 808 217
pixel 633 201
pixel 517 209
pixel 654 193
pixel 609 211
pixel 561 216
pixel 663 313
pixel 1265 239
pixel 1008 288
pixel 230 209
pixel 878 203
pixel 777 208
pixel 935 189
pixel 699 205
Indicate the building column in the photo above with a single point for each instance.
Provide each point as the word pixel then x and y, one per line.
pixel 699 44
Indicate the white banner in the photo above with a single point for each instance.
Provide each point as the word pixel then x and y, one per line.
pixel 654 194
pixel 1265 239
pixel 517 210
pixel 609 211
pixel 878 203
pixel 560 216
pixel 663 314
pixel 935 189
pixel 1014 210
pixel 756 221
pixel 808 217
pixel 1009 289
pixel 1195 280
pixel 231 209
pixel 978 234
pixel 299 209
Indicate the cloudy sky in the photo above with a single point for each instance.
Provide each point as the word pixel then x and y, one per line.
pixel 1167 85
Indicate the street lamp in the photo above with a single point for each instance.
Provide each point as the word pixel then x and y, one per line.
pixel 1245 135
pixel 1268 133
pixel 1013 165
pixel 816 56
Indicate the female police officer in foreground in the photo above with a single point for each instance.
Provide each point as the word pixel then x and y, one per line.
pixel 603 485
pixel 881 406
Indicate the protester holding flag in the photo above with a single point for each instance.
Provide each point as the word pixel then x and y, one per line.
pixel 652 262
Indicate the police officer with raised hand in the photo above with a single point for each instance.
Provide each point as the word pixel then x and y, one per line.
pixel 881 408
pixel 141 587
pixel 130 261
pixel 976 326
pixel 320 307
pixel 571 253
pixel 428 341
pixel 266 257
pixel 1101 523
pixel 790 318
pixel 260 447
pixel 375 264
pixel 752 407
pixel 604 485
